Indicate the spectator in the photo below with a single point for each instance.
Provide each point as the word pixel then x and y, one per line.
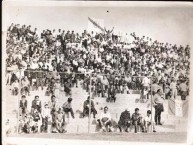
pixel 105 120
pixel 159 108
pixel 125 120
pixel 183 90
pixel 173 88
pixel 53 106
pixel 15 87
pixel 46 116
pixel 25 84
pixel 23 105
pixel 148 122
pixel 137 120
pixel 86 107
pixel 60 121
pixel 37 121
pixel 67 107
pixel 36 105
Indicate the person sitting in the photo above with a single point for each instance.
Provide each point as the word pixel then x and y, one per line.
pixel 60 121
pixel 15 87
pixel 105 120
pixel 27 127
pixel 148 122
pixel 137 120
pixel 36 104
pixel 67 107
pixel 37 121
pixel 21 123
pixel 86 106
pixel 124 121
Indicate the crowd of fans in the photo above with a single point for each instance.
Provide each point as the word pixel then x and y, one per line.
pixel 103 62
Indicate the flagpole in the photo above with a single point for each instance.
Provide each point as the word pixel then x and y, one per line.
pixel 89 105
pixel 151 105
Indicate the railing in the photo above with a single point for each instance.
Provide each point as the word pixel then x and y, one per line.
pixel 90 77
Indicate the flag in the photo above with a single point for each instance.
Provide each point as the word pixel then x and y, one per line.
pixel 178 108
pixel 95 25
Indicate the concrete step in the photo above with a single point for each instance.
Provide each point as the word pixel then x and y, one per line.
pixel 79 95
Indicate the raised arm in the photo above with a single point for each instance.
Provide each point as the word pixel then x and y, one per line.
pixel 112 30
pixel 105 29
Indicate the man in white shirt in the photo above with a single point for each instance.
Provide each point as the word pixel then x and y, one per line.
pixel 34 65
pixel 173 89
pixel 147 121
pixel 105 120
pixel 146 81
pixel 46 116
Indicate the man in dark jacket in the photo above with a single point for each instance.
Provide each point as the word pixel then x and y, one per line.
pixel 39 78
pixel 23 105
pixel 36 104
pixel 124 121
pixel 111 94
pixel 86 107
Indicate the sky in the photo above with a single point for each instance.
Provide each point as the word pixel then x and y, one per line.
pixel 165 24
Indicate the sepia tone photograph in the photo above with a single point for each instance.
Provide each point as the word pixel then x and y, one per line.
pixel 96 71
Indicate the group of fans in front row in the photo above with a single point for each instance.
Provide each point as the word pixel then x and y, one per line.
pixel 51 118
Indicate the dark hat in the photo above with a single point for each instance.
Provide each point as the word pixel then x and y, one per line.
pixel 69 99
pixel 88 97
pixel 136 109
pixel 36 96
pixel 149 111
pixel 105 107
pixel 53 96
pixel 23 96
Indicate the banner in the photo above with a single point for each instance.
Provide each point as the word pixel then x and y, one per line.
pixel 95 25
pixel 178 108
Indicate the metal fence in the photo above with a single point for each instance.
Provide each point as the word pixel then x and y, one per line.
pixel 103 89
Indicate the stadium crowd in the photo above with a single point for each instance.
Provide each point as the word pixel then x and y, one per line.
pixel 105 64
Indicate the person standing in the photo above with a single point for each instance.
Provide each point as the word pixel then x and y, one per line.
pixel 45 118
pixel 183 90
pixel 173 89
pixel 23 105
pixel 158 104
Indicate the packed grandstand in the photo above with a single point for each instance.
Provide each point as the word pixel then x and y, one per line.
pixel 103 64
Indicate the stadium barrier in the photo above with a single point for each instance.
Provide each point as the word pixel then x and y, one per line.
pixel 73 84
